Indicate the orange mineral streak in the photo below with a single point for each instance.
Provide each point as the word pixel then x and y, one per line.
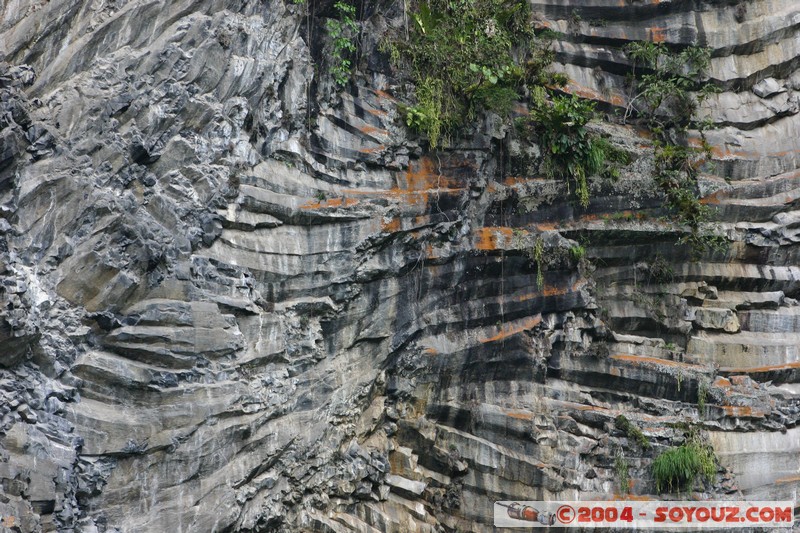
pixel 384 94
pixel 722 382
pixel 712 199
pixel 422 179
pixel 546 226
pixel 632 497
pixel 742 411
pixel 424 175
pixel 658 35
pixel 488 238
pixel 420 183
pixel 367 129
pixel 329 204
pixel 529 323
pixel 789 479
pixel 642 359
pixel 429 251
pixel 391 226
pixel 591 408
pixel 586 92
pixel 760 369
pixel 723 153
pixel 521 415
pixel 514 180
pixel 373 149
pixel 549 292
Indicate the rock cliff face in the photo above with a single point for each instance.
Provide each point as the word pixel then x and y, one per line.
pixel 235 300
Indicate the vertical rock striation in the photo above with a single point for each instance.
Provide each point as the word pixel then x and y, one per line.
pixel 234 300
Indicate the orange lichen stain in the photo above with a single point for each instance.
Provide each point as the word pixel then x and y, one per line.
pixel 586 92
pixel 332 203
pixel 421 180
pixel 722 382
pixel 488 238
pixel 416 186
pixel 424 175
pixel 590 408
pixel 591 217
pixel 384 94
pixel 549 292
pixel 367 129
pixel 723 153
pixel 631 497
pixel 639 359
pixel 430 351
pixel 546 226
pixel 377 112
pixel 712 199
pixel 760 369
pixel 527 324
pixel 658 35
pixel 514 180
pixel 742 411
pixel 521 415
pixel 374 149
pixel 391 226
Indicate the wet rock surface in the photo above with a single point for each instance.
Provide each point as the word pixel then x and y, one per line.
pixel 234 300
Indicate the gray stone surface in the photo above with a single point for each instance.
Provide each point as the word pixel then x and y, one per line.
pixel 233 298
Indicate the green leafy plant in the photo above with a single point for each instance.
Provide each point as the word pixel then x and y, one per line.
pixel 342 31
pixel 577 252
pixel 631 431
pixel 677 468
pixel 476 54
pixel 665 89
pixel 569 150
pixel 427 114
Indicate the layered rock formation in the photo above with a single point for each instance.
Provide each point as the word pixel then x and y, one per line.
pixel 235 299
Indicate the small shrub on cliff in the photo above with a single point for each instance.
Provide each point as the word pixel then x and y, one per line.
pixel 465 56
pixel 677 468
pixel 631 431
pixel 666 88
pixel 568 151
pixel 343 31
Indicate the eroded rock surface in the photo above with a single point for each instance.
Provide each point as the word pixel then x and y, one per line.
pixel 235 300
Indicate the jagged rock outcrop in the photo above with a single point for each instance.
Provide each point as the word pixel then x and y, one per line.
pixel 235 299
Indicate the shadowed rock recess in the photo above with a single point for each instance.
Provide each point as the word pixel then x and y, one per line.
pixel 234 298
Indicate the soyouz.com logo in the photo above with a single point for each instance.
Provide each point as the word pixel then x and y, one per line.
pixel 651 515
